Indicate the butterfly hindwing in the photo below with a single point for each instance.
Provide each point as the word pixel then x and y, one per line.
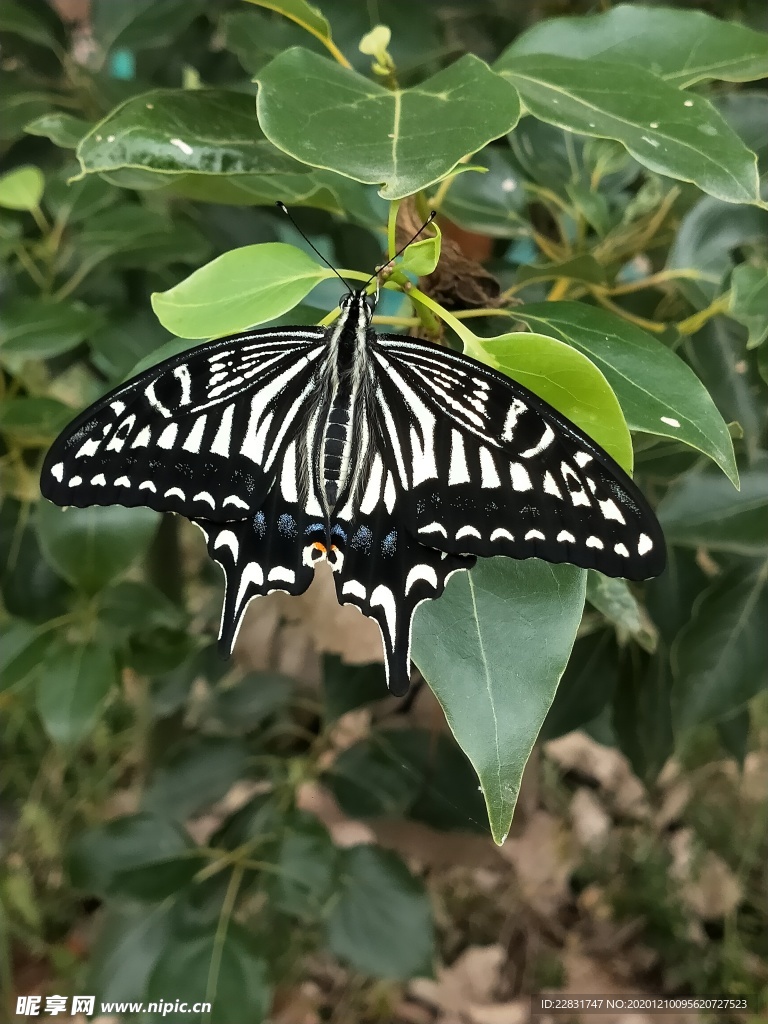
pixel 385 571
pixel 490 469
pixel 200 434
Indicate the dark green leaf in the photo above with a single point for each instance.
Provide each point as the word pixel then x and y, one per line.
pixel 579 268
pixel 490 203
pixel 254 698
pixel 614 598
pixel 493 649
pixel 658 393
pixel 23 21
pixel 734 734
pixel 749 301
pixel 587 685
pixel 18 105
pixel 746 111
pixel 348 687
pixel 124 341
pixel 71 687
pixel 130 938
pixel 720 659
pixel 304 102
pixel 30 588
pixel 91 546
pixel 256 37
pixel 684 47
pixel 22 653
pixel 409 773
pixel 196 775
pixel 642 715
pixel 307 864
pixel 132 605
pixel 36 329
pixel 382 922
pixel 670 596
pixel 662 128
pixel 703 509
pixel 223 967
pixel 140 855
pixel 304 14
pixel 33 420
pixel 140 24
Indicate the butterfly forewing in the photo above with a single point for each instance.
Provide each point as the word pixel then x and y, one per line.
pixel 489 469
pixel 201 434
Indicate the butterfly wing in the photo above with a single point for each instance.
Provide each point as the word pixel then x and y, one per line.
pixel 490 469
pixel 200 434
pixel 382 569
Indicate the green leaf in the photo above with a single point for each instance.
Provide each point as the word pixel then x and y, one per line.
pixel 658 393
pixel 734 734
pixel 64 130
pixel 587 685
pixel 566 379
pixel 304 14
pixel 139 855
pixel 25 22
pixel 223 967
pixel 256 37
pixel 22 188
pixel 307 866
pixel 253 699
pixel 746 111
pixel 642 715
pixel 348 687
pixel 490 203
pixel 140 24
pixel 580 268
pixel 91 546
pixel 749 301
pixel 493 649
pixel 241 288
pixel 197 774
pixel 329 116
pixel 22 653
pixel 704 510
pixel 125 340
pixel 410 773
pixel 614 599
pixel 382 922
pixel 179 131
pixel 39 329
pixel 705 241
pixel 421 258
pixel 132 236
pixel 71 688
pixel 665 130
pixel 130 938
pixel 33 421
pixel 18 105
pixel 720 659
pixel 30 588
pixel 684 47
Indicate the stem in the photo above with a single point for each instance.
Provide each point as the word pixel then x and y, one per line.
pixel 397 321
pixel 466 314
pixel 394 208
pixel 697 321
pixel 559 289
pixel 30 267
pixel 40 219
pixel 456 325
pixel 661 278
pixel 227 908
pixel 647 325
pixel 442 190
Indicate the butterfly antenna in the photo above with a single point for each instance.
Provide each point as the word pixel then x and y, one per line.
pixel 402 249
pixel 284 209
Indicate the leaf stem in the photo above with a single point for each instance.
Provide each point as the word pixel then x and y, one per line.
pixel 394 208
pixel 694 323
pixel 456 325
pixel 639 321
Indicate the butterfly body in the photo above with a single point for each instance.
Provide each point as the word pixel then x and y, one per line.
pixel 394 460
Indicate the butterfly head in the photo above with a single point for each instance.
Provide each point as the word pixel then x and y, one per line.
pixel 359 300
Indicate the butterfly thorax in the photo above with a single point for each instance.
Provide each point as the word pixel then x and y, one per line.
pixel 342 437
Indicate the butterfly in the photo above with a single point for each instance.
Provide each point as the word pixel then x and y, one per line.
pixel 395 460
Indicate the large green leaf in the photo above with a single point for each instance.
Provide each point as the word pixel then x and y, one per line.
pixel 657 391
pixel 566 379
pixel 704 510
pixel 71 688
pixel 681 136
pixel 306 863
pixel 381 923
pixel 493 649
pixel 179 131
pixel 130 938
pixel 720 659
pixel 241 288
pixel 90 546
pixel 222 966
pixel 195 776
pixel 684 47
pixel 404 139
pixel 37 329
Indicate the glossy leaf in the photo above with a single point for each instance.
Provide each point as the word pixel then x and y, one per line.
pixel 566 379
pixel 684 47
pixel 404 139
pixel 720 659
pixel 657 392
pixel 91 546
pixel 108 860
pixel 381 923
pixel 749 301
pixel 665 130
pixel 71 688
pixel 505 634
pixel 22 188
pixel 304 14
pixel 491 203
pixel 244 287
pixel 178 131
pixel 704 510
pixel 421 257
pixel 222 966
pixel 36 329
pixel 64 130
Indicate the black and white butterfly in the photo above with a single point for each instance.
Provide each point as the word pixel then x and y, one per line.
pixel 395 460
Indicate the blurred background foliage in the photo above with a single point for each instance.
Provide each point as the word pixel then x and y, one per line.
pixel 164 821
